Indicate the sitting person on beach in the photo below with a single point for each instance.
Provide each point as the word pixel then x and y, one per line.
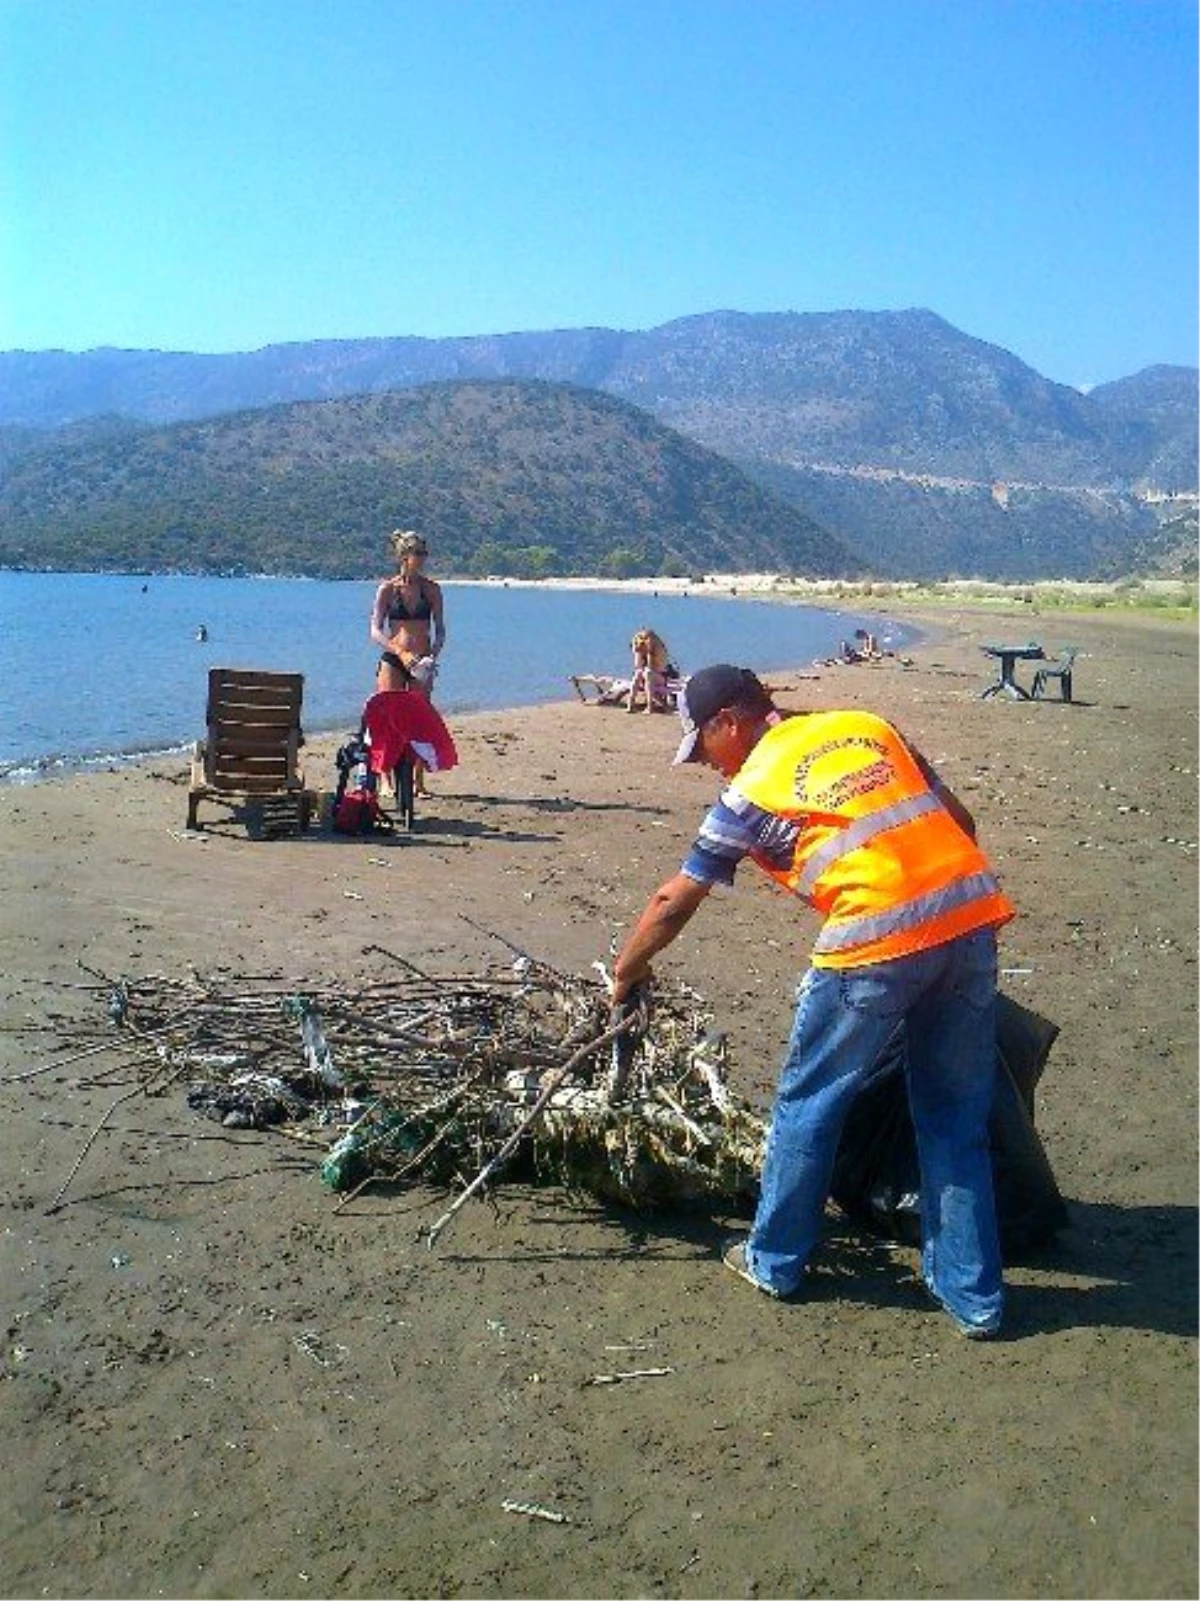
pixel 408 621
pixel 651 667
pixel 865 649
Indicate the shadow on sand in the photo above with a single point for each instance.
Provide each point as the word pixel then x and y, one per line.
pixel 1113 1267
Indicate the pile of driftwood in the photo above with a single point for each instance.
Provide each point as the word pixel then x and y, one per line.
pixel 450 1080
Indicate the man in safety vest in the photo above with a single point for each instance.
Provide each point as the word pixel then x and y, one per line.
pixel 841 811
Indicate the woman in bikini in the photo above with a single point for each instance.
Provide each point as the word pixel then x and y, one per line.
pixel 408 622
pixel 651 666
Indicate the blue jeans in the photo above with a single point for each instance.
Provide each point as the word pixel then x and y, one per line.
pixel 946 998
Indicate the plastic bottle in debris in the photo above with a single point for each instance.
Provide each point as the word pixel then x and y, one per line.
pixel 317 1054
pixel 350 1158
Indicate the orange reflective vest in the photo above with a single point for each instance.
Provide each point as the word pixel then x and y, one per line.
pixel 877 854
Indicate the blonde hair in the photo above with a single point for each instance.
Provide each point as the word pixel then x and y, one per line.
pixel 653 645
pixel 407 542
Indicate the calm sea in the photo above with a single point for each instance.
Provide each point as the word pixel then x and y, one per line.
pixel 95 667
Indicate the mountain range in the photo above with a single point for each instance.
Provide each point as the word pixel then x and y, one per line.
pixel 920 450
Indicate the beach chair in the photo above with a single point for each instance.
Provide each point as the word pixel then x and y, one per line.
pixel 1061 670
pixel 400 728
pixel 601 689
pixel 605 690
pixel 251 750
pixel 672 689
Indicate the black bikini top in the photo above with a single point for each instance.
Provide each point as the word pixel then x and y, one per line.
pixel 398 612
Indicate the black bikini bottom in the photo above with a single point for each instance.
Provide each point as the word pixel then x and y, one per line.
pixel 392 660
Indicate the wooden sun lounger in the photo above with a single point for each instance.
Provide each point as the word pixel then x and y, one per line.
pixel 252 745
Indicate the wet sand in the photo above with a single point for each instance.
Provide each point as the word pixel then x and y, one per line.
pixel 268 1396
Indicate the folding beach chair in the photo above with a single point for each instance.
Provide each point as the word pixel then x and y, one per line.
pixel 251 748
pixel 605 689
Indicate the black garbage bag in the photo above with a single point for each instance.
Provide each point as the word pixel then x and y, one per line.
pixel 876 1177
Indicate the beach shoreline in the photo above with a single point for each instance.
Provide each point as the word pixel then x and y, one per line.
pixel 899 603
pixel 171 1429
pixel 36 759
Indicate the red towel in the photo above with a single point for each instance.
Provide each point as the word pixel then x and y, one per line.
pixel 397 719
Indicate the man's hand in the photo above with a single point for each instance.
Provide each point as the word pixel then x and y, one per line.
pixel 626 990
pixel 634 1012
pixel 633 1008
pixel 666 913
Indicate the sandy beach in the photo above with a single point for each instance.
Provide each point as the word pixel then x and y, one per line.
pixel 215 1383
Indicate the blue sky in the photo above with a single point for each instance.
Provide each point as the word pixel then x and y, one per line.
pixel 207 175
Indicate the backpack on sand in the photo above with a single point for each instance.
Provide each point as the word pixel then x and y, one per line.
pixel 356 808
pixel 358 812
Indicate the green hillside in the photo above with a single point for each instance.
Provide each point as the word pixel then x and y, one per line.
pixel 508 476
pixel 941 529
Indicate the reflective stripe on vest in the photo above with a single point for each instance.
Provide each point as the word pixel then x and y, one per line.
pixel 907 915
pixel 860 832
pixel 877 852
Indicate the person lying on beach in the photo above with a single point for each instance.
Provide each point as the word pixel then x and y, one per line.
pixel 609 691
pixel 840 810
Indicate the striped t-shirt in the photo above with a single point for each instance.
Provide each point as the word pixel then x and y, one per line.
pixel 732 829
pixel 735 826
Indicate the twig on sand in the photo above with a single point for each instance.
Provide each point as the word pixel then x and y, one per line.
pixel 518 951
pixel 530 1509
pixel 554 1081
pixel 142 1089
pixel 634 1373
pixel 117 1042
pixel 400 961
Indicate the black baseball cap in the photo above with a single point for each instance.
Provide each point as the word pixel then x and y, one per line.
pixel 708 692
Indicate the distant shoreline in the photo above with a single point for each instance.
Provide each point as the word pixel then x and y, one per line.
pixel 1150 593
pixel 882 593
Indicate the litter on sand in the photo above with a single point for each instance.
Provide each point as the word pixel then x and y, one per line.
pixel 409 1077
pixel 405 1077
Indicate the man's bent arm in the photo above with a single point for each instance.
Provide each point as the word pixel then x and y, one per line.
pixel 666 913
